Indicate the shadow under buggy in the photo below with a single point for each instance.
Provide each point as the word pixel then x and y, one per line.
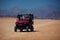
pixel 25 21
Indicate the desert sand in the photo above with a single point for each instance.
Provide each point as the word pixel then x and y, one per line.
pixel 44 29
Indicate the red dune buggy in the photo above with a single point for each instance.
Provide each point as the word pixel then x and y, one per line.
pixel 25 21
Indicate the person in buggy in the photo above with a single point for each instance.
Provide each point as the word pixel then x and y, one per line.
pixel 25 21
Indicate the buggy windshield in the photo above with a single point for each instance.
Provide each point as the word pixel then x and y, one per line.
pixel 24 17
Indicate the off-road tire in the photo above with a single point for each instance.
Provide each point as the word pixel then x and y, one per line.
pixel 31 28
pixel 15 29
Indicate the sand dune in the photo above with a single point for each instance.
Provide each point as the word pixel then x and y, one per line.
pixel 44 30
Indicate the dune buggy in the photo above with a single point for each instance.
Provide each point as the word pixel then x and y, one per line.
pixel 24 21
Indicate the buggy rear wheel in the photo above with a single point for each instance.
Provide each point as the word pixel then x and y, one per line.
pixel 31 28
pixel 15 29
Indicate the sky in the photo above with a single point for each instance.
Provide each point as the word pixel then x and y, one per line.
pixel 26 4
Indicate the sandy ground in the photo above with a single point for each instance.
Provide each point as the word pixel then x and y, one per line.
pixel 44 30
